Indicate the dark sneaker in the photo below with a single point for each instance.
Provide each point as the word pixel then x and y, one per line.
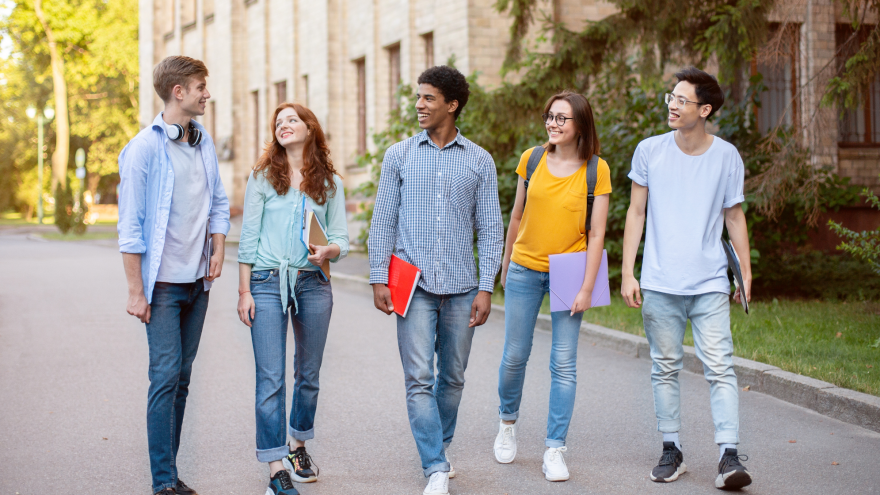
pixel 731 473
pixel 671 464
pixel 299 463
pixel 182 489
pixel 167 491
pixel 280 484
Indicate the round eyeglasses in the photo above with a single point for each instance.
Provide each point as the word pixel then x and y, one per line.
pixel 559 119
pixel 680 100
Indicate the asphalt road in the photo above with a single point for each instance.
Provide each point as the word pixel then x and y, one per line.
pixel 73 382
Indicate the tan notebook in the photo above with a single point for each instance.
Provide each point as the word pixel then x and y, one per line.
pixel 314 234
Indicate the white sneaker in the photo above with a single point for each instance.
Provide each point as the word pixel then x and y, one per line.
pixel 554 465
pixel 505 443
pixel 451 469
pixel 438 484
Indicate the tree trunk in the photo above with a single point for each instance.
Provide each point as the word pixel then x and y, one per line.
pixel 62 125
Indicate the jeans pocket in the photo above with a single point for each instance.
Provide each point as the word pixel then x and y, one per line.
pixel 261 277
pixel 515 268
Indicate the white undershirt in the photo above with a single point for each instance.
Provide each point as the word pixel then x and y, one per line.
pixel 182 260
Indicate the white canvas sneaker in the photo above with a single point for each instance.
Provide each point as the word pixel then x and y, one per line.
pixel 554 465
pixel 505 443
pixel 438 484
pixel 451 469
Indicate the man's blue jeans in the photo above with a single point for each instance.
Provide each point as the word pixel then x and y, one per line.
pixel 523 294
pixel 269 337
pixel 177 314
pixel 665 317
pixel 435 324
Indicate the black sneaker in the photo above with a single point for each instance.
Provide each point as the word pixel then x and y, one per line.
pixel 167 491
pixel 671 464
pixel 299 463
pixel 731 473
pixel 182 489
pixel 280 484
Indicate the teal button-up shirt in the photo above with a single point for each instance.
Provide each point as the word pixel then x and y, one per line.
pixel 271 230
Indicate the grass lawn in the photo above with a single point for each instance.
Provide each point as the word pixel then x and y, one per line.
pixel 16 218
pixel 70 236
pixel 838 342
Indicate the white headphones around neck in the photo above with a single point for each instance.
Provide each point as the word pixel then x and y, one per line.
pixel 175 133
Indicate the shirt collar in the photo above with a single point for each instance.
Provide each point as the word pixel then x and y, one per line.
pixel 459 139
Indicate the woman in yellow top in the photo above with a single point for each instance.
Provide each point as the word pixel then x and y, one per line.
pixel 553 223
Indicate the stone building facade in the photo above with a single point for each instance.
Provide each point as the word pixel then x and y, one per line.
pixel 342 58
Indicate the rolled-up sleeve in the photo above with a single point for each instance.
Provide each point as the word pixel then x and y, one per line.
pixel 489 226
pixel 337 226
pixel 252 220
pixel 384 222
pixel 134 162
pixel 639 172
pixel 220 202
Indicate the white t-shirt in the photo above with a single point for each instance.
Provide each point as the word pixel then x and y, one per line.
pixel 687 196
pixel 185 235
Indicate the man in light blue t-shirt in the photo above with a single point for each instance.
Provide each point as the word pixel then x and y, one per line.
pixel 695 184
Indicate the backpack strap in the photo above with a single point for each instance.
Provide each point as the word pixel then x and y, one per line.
pixel 592 178
pixel 534 160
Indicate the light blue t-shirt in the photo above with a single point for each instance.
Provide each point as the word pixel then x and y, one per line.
pixel 687 196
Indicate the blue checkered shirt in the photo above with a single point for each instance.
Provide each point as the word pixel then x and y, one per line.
pixel 429 204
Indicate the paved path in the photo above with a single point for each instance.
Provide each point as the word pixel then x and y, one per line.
pixel 73 381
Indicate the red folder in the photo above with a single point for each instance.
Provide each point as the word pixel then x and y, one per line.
pixel 403 278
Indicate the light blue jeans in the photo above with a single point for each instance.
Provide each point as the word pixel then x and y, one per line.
pixel 523 294
pixel 665 317
pixel 269 337
pixel 435 324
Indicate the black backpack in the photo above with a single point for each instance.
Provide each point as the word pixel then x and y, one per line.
pixel 592 171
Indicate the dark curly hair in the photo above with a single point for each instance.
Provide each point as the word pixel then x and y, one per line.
pixel 451 83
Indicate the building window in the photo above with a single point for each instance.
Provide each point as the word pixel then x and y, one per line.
pixel 168 15
pixel 280 92
pixel 859 126
pixel 393 74
pixel 187 14
pixel 303 90
pixel 255 111
pixel 777 63
pixel 208 9
pixel 361 66
pixel 211 118
pixel 428 39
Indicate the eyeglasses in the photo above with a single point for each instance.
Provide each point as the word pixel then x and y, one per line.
pixel 680 100
pixel 560 119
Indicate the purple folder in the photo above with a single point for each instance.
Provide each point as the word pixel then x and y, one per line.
pixel 567 278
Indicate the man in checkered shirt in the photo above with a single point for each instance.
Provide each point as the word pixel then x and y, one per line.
pixel 436 189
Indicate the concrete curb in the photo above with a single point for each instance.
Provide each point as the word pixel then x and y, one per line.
pixel 839 403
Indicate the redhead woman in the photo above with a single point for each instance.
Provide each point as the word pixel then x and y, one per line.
pixel 280 277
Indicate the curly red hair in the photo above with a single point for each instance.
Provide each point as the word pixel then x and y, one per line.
pixel 317 168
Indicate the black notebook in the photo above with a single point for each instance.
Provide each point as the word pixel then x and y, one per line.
pixel 733 264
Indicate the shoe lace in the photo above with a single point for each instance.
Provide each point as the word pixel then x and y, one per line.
pixel 506 435
pixel 668 457
pixel 732 460
pixel 435 481
pixel 556 454
pixel 284 480
pixel 304 460
pixel 181 484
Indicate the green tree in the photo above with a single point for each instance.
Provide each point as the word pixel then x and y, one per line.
pixel 864 245
pixel 97 42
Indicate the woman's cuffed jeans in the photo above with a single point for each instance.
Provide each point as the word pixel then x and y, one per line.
pixel 435 324
pixel 665 317
pixel 524 292
pixel 177 315
pixel 269 337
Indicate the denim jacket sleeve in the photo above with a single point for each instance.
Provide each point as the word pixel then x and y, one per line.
pixel 252 219
pixel 337 227
pixel 134 164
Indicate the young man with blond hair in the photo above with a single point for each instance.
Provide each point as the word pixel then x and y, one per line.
pixel 172 208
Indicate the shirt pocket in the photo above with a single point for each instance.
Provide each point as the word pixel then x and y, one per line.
pixel 463 188
pixel 576 203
